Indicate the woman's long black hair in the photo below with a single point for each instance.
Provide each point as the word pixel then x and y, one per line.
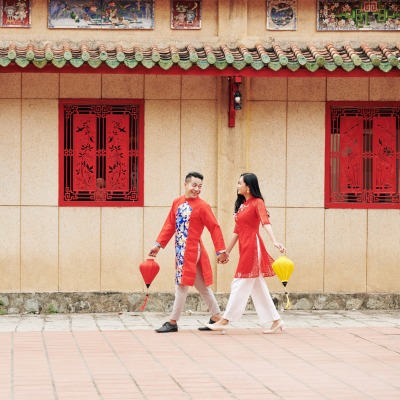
pixel 251 181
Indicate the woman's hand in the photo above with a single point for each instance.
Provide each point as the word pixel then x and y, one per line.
pixel 280 247
pixel 222 258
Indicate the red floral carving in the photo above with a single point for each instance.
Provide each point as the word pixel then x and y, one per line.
pixel 101 153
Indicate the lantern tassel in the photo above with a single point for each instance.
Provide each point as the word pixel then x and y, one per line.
pixel 288 305
pixel 145 302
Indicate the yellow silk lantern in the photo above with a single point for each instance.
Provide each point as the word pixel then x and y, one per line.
pixel 283 268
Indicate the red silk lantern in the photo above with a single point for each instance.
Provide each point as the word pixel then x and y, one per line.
pixel 149 270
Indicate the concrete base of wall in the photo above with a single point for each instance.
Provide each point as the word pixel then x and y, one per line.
pixel 103 302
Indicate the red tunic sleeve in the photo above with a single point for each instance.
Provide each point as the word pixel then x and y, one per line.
pixel 168 229
pixel 262 212
pixel 212 225
pixel 235 230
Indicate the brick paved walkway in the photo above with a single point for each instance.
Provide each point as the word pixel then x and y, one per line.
pixel 321 355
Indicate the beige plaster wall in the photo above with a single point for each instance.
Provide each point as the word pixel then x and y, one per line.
pixel 279 135
pixel 10 149
pixel 79 245
pixel 120 250
pixel 10 248
pixel 383 250
pixel 345 250
pixel 39 165
pixel 46 248
pixel 305 246
pixel 39 249
pixel 227 21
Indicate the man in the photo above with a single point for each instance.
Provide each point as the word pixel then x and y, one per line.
pixel 187 218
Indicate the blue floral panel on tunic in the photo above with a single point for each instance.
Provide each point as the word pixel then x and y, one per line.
pixel 182 228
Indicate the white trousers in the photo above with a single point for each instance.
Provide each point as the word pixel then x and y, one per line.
pixel 257 288
pixel 205 292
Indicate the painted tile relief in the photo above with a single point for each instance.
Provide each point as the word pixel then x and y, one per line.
pixel 186 14
pixel 344 15
pixel 101 14
pixel 282 15
pixel 15 13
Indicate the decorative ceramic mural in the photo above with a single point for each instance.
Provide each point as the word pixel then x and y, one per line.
pixel 282 15
pixel 101 14
pixel 15 13
pixel 185 14
pixel 341 15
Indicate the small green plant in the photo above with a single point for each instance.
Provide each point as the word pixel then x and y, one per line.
pixel 52 309
pixel 3 311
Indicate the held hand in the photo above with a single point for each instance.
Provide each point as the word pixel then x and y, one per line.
pixel 153 251
pixel 222 258
pixel 280 247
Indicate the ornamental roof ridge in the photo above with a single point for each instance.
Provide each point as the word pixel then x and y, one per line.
pixel 257 56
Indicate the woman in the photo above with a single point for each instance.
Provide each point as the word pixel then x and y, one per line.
pixel 254 261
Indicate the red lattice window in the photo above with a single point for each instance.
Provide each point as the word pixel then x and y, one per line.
pixel 101 153
pixel 363 155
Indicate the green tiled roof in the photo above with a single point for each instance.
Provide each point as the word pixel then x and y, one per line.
pixel 274 57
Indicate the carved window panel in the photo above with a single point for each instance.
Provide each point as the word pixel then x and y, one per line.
pixel 362 155
pixel 101 153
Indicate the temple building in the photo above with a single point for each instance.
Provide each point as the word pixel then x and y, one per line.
pixel 106 105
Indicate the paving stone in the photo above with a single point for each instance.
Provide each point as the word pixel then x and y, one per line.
pixel 321 355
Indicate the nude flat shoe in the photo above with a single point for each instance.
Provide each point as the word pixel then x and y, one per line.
pixel 279 326
pixel 216 327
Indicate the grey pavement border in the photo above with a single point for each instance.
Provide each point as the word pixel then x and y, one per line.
pixel 192 320
pixel 106 302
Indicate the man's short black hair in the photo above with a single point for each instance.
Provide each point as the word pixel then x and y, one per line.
pixel 194 175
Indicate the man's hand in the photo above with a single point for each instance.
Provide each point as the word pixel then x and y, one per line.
pixel 222 258
pixel 154 250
